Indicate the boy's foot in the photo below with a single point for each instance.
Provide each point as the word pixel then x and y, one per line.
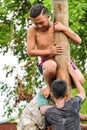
pixel 45 92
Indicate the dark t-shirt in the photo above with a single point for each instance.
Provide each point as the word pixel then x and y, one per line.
pixel 65 118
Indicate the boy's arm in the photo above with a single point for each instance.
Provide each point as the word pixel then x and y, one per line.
pixel 44 108
pixel 67 31
pixel 32 51
pixel 81 91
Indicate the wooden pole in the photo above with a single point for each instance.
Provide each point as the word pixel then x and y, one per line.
pixel 60 11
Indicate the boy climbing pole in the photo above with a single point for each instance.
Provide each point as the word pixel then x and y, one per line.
pixel 40 42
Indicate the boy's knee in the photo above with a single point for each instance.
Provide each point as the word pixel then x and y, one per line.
pixel 50 66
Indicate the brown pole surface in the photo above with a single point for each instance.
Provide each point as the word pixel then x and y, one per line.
pixel 60 11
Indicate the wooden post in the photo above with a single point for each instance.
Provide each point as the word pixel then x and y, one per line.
pixel 60 11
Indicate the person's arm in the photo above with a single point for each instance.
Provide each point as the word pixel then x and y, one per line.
pixel 32 51
pixel 81 91
pixel 67 31
pixel 44 108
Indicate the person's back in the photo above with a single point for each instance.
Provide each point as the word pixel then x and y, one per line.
pixel 31 117
pixel 64 115
pixel 65 118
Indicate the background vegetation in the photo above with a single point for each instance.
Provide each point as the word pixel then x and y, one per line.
pixel 14 22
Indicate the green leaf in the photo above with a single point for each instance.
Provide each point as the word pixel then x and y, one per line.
pixel 31 1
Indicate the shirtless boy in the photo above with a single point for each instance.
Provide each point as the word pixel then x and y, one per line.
pixel 40 42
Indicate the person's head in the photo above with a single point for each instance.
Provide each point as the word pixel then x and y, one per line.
pixel 58 88
pixel 40 17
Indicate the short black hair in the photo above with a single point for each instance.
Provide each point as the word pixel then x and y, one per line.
pixel 37 9
pixel 59 88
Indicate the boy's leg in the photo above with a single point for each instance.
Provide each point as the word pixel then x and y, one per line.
pixel 78 73
pixel 49 73
pixel 79 76
pixel 49 70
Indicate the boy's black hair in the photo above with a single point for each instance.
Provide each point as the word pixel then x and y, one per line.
pixel 58 88
pixel 37 10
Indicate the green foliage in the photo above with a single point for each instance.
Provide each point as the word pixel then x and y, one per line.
pixel 84 104
pixel 32 1
pixel 48 5
pixel 78 23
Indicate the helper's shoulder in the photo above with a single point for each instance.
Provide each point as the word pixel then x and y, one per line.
pixel 31 29
pixel 76 99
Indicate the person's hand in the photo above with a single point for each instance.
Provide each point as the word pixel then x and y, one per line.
pixel 55 49
pixel 45 92
pixel 72 74
pixel 71 70
pixel 58 26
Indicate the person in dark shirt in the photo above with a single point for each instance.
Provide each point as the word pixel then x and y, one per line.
pixel 64 115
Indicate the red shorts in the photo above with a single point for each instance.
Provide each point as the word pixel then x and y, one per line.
pixel 41 64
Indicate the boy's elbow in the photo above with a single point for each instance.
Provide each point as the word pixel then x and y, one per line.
pixel 79 40
pixel 83 96
pixel 42 110
pixel 29 53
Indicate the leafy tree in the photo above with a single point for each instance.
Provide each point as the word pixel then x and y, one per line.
pixel 78 23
